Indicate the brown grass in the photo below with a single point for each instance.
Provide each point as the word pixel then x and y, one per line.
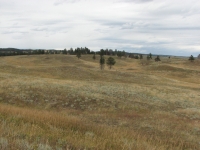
pixel 60 102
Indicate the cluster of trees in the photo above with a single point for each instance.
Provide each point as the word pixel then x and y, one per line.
pixel 110 61
pixel 112 53
pixel 82 50
pixel 102 52
pixel 149 56
pixel 156 59
pixel 77 51
pixel 14 51
pixel 26 52
pixel 136 56
pixel 191 58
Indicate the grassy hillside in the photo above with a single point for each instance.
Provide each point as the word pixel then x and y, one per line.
pixel 61 102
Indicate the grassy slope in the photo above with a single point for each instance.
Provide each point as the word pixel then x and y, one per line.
pixel 60 102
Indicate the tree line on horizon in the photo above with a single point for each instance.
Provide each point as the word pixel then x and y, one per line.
pixel 78 52
pixel 71 51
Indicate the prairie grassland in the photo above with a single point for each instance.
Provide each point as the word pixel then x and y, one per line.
pixel 60 102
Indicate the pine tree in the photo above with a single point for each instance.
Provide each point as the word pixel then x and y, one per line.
pixel 78 54
pixel 191 58
pixel 157 58
pixel 101 52
pixel 102 62
pixel 110 62
pixel 150 55
pixel 65 51
pixel 119 54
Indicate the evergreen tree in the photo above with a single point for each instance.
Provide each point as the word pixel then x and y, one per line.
pixel 102 62
pixel 87 50
pixel 157 58
pixel 191 58
pixel 110 62
pixel 71 51
pixel 65 51
pixel 102 52
pixel 111 52
pixel 119 54
pixel 78 54
pixel 150 55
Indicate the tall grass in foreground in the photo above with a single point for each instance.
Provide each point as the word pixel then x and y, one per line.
pixel 25 128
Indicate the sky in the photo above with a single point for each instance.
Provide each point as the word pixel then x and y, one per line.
pixel 169 27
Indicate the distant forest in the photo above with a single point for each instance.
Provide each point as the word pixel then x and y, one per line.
pixel 71 51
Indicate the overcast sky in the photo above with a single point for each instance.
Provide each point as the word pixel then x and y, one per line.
pixel 157 26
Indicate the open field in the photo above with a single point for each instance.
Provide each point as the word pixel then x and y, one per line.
pixel 61 102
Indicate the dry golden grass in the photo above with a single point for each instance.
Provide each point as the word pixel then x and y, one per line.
pixel 60 102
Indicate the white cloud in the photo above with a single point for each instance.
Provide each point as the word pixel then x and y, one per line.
pixel 155 26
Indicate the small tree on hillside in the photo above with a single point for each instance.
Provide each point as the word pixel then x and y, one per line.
pixel 102 62
pixel 191 58
pixel 157 58
pixel 110 62
pixel 150 55
pixel 78 54
pixel 94 57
